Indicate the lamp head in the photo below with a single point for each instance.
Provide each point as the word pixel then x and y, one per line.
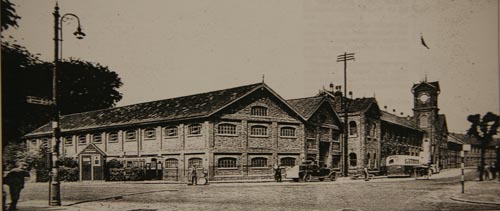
pixel 78 33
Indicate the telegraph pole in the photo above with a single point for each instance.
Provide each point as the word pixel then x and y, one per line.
pixel 344 58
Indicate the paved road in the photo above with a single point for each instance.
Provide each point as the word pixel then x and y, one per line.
pixel 382 194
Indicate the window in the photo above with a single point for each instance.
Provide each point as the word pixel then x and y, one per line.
pixel 288 161
pixel 287 132
pixel 82 139
pixel 226 129
pixel 45 143
pixel 259 162
pixel 97 138
pixel 113 137
pixel 226 163
pixel 150 133
pixel 352 128
pixel 68 140
pixel 194 129
pixel 171 131
pixel 171 163
pixel 258 130
pixel 131 135
pixel 424 121
pixel 198 162
pixel 258 111
pixel 353 161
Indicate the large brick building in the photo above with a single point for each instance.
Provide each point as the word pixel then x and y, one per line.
pixel 236 133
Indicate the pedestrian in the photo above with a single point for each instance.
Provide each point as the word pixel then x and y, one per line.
pixel 365 171
pixel 15 180
pixel 277 174
pixel 429 172
pixel 194 178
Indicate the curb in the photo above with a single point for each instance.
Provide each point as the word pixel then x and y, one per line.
pixel 454 198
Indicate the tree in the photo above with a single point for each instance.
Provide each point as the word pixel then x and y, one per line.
pixel 483 130
pixel 9 16
pixel 82 86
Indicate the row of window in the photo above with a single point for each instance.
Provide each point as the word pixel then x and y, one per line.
pixel 225 129
pixel 131 135
pixel 226 162
pixel 229 162
pixel 256 130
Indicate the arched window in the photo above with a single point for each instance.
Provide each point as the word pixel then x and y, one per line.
pixel 96 138
pixel 353 160
pixel 131 135
pixel 374 130
pixel 171 163
pixel 226 163
pixel 82 139
pixel 150 133
pixel 194 129
pixel 258 130
pixel 226 129
pixel 45 143
pixel 171 131
pixel 353 129
pixel 287 132
pixel 288 161
pixel 68 140
pixel 424 121
pixel 259 162
pixel 198 162
pixel 113 137
pixel 258 111
pixel 368 161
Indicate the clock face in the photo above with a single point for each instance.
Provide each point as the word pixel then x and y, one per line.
pixel 424 98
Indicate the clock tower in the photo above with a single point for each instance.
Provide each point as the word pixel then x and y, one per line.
pixel 425 114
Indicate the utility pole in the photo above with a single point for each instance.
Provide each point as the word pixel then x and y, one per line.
pixel 344 58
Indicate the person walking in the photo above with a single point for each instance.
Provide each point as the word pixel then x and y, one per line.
pixel 15 180
pixel 194 178
pixel 365 171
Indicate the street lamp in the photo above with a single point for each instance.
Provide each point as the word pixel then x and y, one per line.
pixel 54 184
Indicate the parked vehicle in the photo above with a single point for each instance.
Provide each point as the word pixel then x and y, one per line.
pixel 309 171
pixel 406 165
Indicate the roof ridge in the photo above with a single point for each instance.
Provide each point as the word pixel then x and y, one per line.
pixel 305 98
pixel 135 104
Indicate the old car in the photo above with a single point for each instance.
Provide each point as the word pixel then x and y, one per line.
pixel 309 171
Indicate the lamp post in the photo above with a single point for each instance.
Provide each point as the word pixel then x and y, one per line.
pixel 54 183
pixel 344 58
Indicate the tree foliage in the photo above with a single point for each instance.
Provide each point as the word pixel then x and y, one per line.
pixel 9 16
pixel 82 86
pixel 483 130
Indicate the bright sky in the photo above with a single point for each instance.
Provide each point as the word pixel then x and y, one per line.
pixel 163 49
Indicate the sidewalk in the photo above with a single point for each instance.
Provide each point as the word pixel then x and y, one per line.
pixel 481 192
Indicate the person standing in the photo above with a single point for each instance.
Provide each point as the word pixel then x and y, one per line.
pixel 194 178
pixel 277 174
pixel 15 180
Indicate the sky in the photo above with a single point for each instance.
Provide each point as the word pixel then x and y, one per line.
pixel 164 48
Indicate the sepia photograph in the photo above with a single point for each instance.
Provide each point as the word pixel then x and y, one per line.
pixel 338 105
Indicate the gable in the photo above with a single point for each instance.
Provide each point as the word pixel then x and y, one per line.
pixel 92 149
pixel 325 115
pixel 275 107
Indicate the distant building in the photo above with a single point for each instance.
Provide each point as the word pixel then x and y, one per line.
pixel 473 157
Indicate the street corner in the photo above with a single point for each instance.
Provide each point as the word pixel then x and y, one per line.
pixel 480 192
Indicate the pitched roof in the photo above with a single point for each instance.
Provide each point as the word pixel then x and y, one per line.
pixel 434 84
pixel 186 107
pixel 306 106
pixel 394 119
pixel 360 104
